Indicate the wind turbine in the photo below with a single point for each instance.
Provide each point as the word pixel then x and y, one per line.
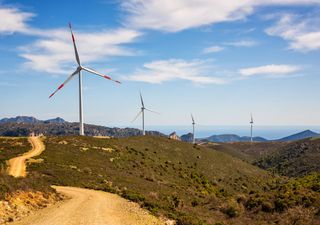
pixel 193 123
pixel 142 112
pixel 78 72
pixel 251 123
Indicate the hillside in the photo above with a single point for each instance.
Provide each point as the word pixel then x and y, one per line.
pixel 245 150
pixel 294 159
pixel 191 184
pixel 24 126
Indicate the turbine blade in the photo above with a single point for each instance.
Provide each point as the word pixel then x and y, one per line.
pixel 141 100
pixel 99 74
pixel 152 111
pixel 192 118
pixel 74 45
pixel 137 116
pixel 64 83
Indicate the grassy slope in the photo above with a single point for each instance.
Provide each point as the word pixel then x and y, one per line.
pixel 186 182
pixel 248 151
pixel 295 159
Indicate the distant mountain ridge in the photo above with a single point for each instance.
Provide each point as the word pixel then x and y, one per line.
pixel 302 135
pixel 27 125
pixel 224 138
pixel 31 119
pixel 233 138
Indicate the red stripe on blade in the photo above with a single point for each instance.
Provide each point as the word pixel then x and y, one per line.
pixel 73 38
pixel 61 86
pixel 109 78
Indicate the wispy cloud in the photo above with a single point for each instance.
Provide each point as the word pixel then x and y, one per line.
pixel 7 84
pixel 13 20
pixel 270 70
pixel 303 33
pixel 177 15
pixel 157 72
pixel 242 43
pixel 53 51
pixel 213 49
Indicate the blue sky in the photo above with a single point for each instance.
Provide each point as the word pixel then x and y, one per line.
pixel 220 60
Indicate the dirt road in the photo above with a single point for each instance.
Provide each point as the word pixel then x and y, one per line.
pixel 17 166
pixel 89 207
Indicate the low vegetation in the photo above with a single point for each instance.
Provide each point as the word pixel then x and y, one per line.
pixel 296 159
pixel 189 183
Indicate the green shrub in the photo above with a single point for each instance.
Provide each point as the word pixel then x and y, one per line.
pixel 133 196
pixel 280 205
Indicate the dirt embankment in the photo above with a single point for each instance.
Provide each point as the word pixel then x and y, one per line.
pixel 89 207
pixel 20 204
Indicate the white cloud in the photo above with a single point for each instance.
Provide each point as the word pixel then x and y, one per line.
pixel 303 34
pixel 157 72
pixel 177 15
pixel 242 43
pixel 271 70
pixel 53 52
pixel 13 20
pixel 213 49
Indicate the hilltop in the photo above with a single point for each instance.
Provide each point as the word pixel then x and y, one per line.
pixel 299 136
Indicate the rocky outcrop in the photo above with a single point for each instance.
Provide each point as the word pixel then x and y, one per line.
pixel 174 136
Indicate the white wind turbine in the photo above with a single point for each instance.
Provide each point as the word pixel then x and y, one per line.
pixel 193 134
pixel 78 72
pixel 142 112
pixel 251 123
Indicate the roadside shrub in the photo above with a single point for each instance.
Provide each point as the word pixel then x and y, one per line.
pixel 280 205
pixel 253 202
pixel 188 220
pixel 232 208
pixel 133 196
pixel 194 203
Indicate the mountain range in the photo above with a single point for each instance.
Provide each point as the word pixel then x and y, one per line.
pixel 25 125
pixel 233 138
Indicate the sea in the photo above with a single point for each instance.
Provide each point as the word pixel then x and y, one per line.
pixel 268 132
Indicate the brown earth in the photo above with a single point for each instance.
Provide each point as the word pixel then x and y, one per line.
pixel 89 207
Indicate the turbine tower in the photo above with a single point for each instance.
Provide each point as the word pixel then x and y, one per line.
pixel 142 112
pixel 78 72
pixel 193 123
pixel 251 123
